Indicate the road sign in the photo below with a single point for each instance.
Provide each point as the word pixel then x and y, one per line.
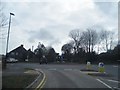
pixel 101 67
pixel 88 65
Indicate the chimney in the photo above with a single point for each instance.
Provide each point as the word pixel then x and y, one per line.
pixel 21 45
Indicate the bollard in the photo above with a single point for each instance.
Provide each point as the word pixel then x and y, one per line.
pixel 101 67
pixel 88 65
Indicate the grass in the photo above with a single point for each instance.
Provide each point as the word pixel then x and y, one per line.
pixel 17 81
pixel 100 74
pixel 89 70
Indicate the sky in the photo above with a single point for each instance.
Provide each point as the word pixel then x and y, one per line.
pixel 50 21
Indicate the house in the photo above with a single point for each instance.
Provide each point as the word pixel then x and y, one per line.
pixel 31 56
pixel 19 53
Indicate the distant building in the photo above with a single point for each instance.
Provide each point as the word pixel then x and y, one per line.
pixel 19 53
pixel 31 56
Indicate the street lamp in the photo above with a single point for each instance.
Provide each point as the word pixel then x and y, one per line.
pixel 8 35
pixel 8 32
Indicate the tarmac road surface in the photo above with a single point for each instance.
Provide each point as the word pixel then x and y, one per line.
pixel 70 76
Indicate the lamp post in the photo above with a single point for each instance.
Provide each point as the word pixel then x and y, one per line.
pixel 8 36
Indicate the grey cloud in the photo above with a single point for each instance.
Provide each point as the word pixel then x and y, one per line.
pixel 54 42
pixel 56 20
pixel 31 40
pixel 109 8
pixel 42 34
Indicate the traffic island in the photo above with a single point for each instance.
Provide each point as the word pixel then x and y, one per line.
pixel 95 73
pixel 99 74
pixel 90 70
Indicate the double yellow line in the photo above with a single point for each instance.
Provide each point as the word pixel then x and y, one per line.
pixel 42 83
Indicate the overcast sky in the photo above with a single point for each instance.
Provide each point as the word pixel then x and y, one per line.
pixel 50 21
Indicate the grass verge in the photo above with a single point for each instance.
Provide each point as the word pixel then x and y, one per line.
pixel 17 81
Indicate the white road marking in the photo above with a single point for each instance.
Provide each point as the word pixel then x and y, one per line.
pixel 52 69
pixel 115 66
pixel 116 88
pixel 103 83
pixel 81 72
pixel 114 81
pixel 67 69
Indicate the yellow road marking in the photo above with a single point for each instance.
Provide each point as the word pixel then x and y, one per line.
pixel 42 82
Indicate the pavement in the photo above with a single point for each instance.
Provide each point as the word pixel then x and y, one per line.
pixel 71 76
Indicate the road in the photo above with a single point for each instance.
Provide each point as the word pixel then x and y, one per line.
pixel 70 79
pixel 70 76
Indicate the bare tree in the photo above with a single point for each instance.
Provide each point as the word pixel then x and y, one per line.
pixel 106 39
pixel 94 38
pixel 86 39
pixel 76 36
pixel 89 39
pixel 111 39
pixel 3 18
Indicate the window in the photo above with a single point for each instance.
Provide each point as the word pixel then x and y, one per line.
pixel 16 53
pixel 12 53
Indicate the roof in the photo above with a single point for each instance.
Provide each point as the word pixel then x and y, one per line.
pixel 19 49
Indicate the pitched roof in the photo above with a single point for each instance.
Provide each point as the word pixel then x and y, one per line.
pixel 19 49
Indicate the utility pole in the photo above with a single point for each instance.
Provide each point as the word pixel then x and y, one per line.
pixel 8 36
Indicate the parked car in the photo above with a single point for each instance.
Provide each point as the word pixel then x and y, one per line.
pixel 12 60
pixel 26 60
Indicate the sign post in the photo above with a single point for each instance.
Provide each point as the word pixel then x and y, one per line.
pixel 88 65
pixel 101 67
